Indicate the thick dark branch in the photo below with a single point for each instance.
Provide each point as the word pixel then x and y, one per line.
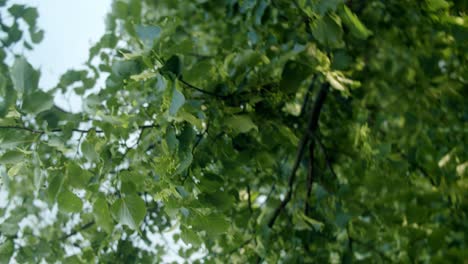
pixel 311 128
pixel 76 231
pixel 140 135
pixel 310 176
pixel 249 199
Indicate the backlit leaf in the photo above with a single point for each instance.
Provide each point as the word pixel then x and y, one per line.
pixel 129 211
pixel 25 78
pixel 69 202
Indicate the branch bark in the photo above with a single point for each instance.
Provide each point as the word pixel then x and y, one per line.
pixel 311 128
pixel 310 176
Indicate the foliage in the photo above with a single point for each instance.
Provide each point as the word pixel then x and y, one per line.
pixel 261 131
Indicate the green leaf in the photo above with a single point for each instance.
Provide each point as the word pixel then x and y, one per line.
pixel 218 199
pixel 129 211
pixel 148 34
pixel 14 34
pixel 173 65
pixel 317 225
pixel 102 214
pixel 15 169
pixel 186 138
pixel 54 188
pixel 30 16
pixel 294 73
pixel 214 224
pixel 10 226
pixel 89 151
pixel 17 10
pixel 200 71
pixel 352 21
pixel 25 78
pixel 11 157
pixel 328 32
pixel 339 82
pixel 240 123
pixel 10 140
pixel 184 163
pixel 6 251
pixel 185 116
pixel 37 102
pixel 125 69
pixel 77 177
pixel 177 101
pixel 136 178
pixel 69 202
pixel 325 6
pixel 171 139
pixel 434 5
pixel 190 237
pixel 7 96
pixel 37 36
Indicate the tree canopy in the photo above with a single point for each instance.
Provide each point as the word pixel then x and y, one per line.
pixel 251 131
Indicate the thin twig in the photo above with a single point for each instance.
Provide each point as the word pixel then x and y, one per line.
pixel 78 145
pixel 418 167
pixel 202 90
pixel 240 246
pixel 201 56
pixel 307 96
pixel 327 158
pixel 75 231
pixel 34 131
pixel 200 137
pixel 58 130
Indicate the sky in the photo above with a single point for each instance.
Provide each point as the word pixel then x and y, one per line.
pixel 71 27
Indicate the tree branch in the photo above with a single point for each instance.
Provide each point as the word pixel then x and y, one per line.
pixel 310 176
pixel 311 128
pixel 201 90
pixel 249 199
pixel 75 231
pixel 327 158
pixel 40 132
pixel 420 168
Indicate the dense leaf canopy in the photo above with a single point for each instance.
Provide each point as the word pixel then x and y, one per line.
pixel 291 131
